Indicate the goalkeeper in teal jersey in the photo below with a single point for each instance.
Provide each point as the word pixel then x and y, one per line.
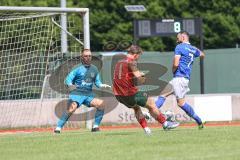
pixel 80 82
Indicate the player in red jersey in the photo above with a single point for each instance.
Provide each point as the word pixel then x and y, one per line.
pixel 126 74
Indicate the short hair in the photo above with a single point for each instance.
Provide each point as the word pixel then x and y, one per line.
pixel 184 32
pixel 84 49
pixel 134 49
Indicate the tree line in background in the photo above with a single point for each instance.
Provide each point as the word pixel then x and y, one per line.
pixel 109 21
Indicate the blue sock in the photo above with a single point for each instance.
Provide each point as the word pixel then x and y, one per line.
pixel 190 112
pixel 98 117
pixel 63 119
pixel 159 102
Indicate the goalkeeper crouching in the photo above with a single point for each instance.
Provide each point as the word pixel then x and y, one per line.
pixel 80 82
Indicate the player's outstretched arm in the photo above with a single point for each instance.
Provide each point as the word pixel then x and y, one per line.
pixel 99 83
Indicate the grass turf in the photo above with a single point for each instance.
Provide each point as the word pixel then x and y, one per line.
pixel 212 143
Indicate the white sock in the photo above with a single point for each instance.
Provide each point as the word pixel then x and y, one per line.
pixel 147 130
pixel 165 123
pixel 95 126
pixel 58 128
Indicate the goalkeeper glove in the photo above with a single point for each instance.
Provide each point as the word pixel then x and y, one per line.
pixel 105 86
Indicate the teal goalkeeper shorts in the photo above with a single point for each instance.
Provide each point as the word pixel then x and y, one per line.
pixel 81 99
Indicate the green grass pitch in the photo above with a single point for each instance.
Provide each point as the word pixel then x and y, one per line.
pixel 212 143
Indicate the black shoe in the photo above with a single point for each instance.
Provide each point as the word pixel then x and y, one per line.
pixel 95 129
pixel 201 126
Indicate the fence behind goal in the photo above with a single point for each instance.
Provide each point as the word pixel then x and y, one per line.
pixel 30 51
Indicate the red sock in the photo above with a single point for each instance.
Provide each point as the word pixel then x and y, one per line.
pixel 161 119
pixel 143 122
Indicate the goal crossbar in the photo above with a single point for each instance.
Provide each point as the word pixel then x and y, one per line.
pixel 43 9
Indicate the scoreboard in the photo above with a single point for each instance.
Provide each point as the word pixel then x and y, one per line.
pixel 166 27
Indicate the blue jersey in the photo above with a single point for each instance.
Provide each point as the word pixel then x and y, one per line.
pixel 84 77
pixel 187 53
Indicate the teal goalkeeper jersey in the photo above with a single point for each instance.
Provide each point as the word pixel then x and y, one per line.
pixel 84 77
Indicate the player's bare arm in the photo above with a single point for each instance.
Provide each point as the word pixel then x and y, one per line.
pixel 175 63
pixel 202 54
pixel 139 75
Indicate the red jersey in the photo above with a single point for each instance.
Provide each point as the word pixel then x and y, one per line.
pixel 123 78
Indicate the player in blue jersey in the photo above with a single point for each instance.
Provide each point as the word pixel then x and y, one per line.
pixel 184 56
pixel 80 82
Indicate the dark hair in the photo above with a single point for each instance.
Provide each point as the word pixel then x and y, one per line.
pixel 184 32
pixel 134 49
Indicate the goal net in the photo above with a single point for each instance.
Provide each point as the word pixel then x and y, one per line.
pixel 32 50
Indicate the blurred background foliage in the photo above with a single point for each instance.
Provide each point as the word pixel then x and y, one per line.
pixel 109 21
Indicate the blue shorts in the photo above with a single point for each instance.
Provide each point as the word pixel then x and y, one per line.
pixel 81 99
